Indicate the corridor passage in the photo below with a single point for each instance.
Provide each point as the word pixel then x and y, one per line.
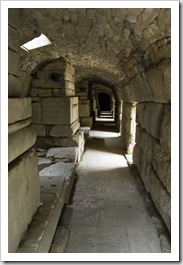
pixel 106 212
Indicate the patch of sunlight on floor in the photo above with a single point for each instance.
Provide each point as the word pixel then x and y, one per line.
pixel 103 134
pixel 104 119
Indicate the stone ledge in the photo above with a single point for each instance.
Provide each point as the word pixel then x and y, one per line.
pixel 56 183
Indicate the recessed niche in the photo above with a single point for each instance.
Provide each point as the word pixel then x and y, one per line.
pixel 57 77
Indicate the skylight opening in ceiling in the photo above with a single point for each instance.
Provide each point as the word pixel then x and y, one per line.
pixel 38 42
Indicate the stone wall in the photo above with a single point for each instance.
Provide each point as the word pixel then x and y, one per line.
pixel 128 126
pixel 152 154
pixel 23 181
pixel 54 106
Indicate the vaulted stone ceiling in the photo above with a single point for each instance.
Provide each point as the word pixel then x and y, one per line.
pixel 113 44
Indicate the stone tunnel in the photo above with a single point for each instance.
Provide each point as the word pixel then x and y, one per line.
pixel 96 62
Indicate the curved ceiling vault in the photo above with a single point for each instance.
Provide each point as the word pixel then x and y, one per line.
pixel 102 44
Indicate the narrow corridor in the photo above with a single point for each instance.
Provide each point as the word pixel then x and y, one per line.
pixel 106 213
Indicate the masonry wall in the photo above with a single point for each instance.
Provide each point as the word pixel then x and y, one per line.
pixel 23 181
pixel 152 154
pixel 54 105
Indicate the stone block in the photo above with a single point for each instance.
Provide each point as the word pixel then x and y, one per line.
pixel 59 92
pixel 33 92
pixel 156 82
pixel 64 130
pixel 13 17
pixel 39 129
pixel 87 121
pixel 26 83
pixel 35 99
pixel 13 63
pixel 84 110
pixel 161 198
pixel 18 109
pixel 59 110
pixel 44 83
pixel 55 66
pixel 19 142
pixel 58 179
pixel 13 39
pixel 165 67
pixel 165 130
pixel 44 92
pixel 152 118
pixel 23 196
pixel 140 112
pixel 37 112
pixel 146 145
pixel 14 86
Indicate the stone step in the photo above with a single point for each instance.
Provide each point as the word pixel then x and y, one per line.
pixel 56 183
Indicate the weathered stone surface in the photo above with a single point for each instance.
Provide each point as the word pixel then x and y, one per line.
pixel 60 240
pixel 40 233
pixel 18 109
pixel 13 17
pixel 19 142
pixel 64 130
pixel 137 156
pixel 13 39
pixel 44 92
pixel 18 126
pixel 87 122
pixel 59 110
pixel 152 118
pixel 23 196
pixel 156 81
pixel 13 63
pixel 165 130
pixel 44 83
pixel 14 86
pixel 55 66
pixel 160 196
pixel 37 112
pixel 84 110
pixel 39 129
pixel 69 153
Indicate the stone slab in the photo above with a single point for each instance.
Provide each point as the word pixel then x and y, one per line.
pixel 18 109
pixel 70 153
pixel 43 162
pixel 40 233
pixel 19 142
pixel 62 170
pixel 97 239
pixel 23 196
pixel 148 238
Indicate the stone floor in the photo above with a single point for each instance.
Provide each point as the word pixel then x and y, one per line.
pixel 106 212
